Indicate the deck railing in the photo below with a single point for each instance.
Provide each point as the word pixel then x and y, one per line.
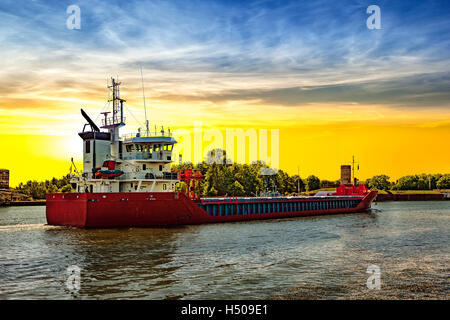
pixel 138 155
pixel 149 175
pixel 113 120
pixel 129 136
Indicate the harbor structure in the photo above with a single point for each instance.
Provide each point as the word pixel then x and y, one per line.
pixel 4 179
pixel 346 175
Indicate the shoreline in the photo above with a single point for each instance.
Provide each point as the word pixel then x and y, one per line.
pixel 380 198
pixel 23 203
pixel 411 197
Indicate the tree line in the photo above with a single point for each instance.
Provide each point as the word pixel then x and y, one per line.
pixel 410 182
pixel 38 190
pixel 224 178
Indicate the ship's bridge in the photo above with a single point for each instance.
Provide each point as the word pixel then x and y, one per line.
pixel 153 147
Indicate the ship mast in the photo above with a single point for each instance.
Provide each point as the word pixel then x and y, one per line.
pixel 117 119
pixel 117 104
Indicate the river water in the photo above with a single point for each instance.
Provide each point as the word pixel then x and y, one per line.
pixel 300 258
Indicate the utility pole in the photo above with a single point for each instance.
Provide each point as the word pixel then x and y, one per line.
pixel 353 169
pixel 145 108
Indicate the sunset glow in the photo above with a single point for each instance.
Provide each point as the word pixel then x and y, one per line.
pixel 332 87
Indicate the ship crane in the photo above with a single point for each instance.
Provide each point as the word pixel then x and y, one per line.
pixel 90 122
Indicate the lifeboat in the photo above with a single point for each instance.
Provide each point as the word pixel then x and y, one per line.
pixel 107 171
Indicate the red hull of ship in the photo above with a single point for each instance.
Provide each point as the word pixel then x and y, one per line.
pixel 103 210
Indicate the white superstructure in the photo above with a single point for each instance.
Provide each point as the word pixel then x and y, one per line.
pixel 132 163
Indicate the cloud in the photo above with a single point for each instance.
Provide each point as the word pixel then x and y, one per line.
pixel 289 53
pixel 418 91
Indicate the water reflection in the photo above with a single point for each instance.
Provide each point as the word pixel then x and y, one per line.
pixel 301 258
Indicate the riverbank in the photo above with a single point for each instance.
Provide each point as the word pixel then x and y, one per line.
pixel 413 195
pixel 402 195
pixel 23 203
pixel 410 197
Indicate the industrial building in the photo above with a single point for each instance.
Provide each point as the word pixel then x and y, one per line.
pixel 4 179
pixel 346 175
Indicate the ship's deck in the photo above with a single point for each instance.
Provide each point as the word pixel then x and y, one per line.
pixel 280 198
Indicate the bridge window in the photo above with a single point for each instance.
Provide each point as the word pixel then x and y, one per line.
pixel 160 167
pixel 88 146
pixel 144 167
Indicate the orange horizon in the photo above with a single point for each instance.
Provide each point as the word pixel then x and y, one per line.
pixel 317 150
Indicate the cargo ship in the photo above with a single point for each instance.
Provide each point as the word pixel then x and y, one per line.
pixel 127 181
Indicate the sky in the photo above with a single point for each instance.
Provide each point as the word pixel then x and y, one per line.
pixel 311 69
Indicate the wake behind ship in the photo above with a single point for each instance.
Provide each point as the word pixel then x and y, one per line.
pixel 127 181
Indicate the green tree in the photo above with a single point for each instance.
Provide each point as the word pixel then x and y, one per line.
pixel 67 189
pixel 434 178
pixel 52 188
pixel 237 189
pixel 299 183
pixel 212 192
pixel 284 184
pixel 38 190
pixel 444 182
pixel 380 182
pixel 249 178
pixel 406 183
pixel 312 183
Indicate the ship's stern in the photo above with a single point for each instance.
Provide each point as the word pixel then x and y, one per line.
pixel 66 209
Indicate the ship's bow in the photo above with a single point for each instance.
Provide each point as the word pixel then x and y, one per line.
pixel 366 202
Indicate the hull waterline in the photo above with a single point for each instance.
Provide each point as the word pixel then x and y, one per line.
pixel 107 210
